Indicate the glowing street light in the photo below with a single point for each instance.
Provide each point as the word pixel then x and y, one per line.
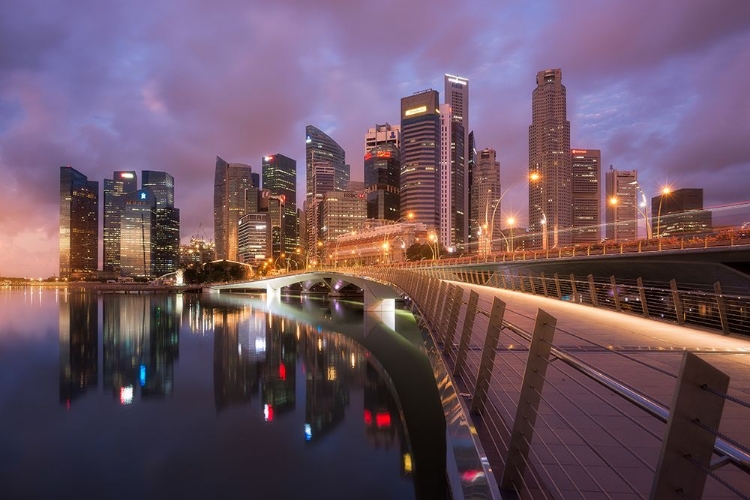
pixel 664 192
pixel 511 222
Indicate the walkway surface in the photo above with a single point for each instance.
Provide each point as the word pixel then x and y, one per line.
pixel 589 442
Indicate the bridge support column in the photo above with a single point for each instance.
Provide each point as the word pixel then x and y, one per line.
pixel 375 304
pixel 272 293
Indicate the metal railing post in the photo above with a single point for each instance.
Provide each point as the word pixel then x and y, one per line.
pixel 520 279
pixel 722 306
pixel 573 287
pixel 531 284
pixel 441 307
pixel 528 401
pixel 694 416
pixel 615 293
pixel 557 287
pixel 677 302
pixel 488 355
pixel 544 284
pixel 642 295
pixel 463 345
pixel 450 331
pixel 592 291
pixel 502 274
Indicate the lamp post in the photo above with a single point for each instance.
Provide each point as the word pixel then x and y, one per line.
pixel 511 222
pixel 643 209
pixel 433 245
pixel 613 203
pixel 664 192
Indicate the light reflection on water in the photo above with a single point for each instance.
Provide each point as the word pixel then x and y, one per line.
pixel 186 396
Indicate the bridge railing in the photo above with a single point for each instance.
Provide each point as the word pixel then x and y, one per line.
pixel 556 424
pixel 720 309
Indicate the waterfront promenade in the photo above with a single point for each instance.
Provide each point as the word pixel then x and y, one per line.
pixel 586 440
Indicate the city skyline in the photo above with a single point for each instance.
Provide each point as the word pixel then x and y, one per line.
pixel 107 88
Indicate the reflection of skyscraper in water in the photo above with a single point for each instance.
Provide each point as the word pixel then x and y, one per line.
pixel 78 345
pixel 332 364
pixel 279 372
pixel 236 355
pixel 140 344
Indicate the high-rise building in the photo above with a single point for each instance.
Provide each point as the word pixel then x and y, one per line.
pixel 381 135
pixel 420 157
pixel 342 213
pixel 167 229
pixel 79 224
pixel 473 217
pixel 122 183
pixel 280 179
pixel 231 183
pixel 382 180
pixel 485 201
pixel 680 212
pixel 254 238
pixel 138 235
pixel 586 169
pixel 622 205
pixel 457 95
pixel 453 195
pixel 319 147
pixel 550 194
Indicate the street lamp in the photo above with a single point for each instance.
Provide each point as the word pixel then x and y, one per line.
pixel 664 192
pixel 511 222
pixel 613 203
pixel 434 242
pixel 643 209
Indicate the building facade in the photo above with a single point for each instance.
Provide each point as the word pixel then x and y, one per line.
pixel 231 182
pixel 254 239
pixel 79 224
pixel 622 205
pixel 485 202
pixel 457 96
pixel 550 173
pixel 280 178
pixel 319 147
pixel 137 235
pixel 680 212
pixel 122 183
pixel 167 229
pixel 453 194
pixel 342 212
pixel 381 135
pixel 382 182
pixel 586 185
pixel 420 157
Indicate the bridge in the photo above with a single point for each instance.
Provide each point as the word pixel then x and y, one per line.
pixel 563 391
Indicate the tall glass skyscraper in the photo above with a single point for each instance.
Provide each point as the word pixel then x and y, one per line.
pixel 420 157
pixel 382 180
pixel 167 229
pixel 137 230
pixel 550 192
pixel 79 224
pixel 231 182
pixel 453 191
pixel 319 147
pixel 280 178
pixel 115 189
pixel 586 182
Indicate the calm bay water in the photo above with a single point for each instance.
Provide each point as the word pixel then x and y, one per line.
pixel 198 396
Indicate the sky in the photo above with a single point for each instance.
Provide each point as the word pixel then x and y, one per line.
pixel 657 86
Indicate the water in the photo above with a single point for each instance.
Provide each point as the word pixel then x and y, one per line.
pixel 197 396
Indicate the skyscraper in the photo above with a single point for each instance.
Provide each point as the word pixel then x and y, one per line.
pixel 420 157
pixel 137 234
pixel 319 147
pixel 457 95
pixel 231 182
pixel 280 178
pixel 586 171
pixel 471 215
pixel 485 201
pixel 382 180
pixel 115 189
pixel 381 135
pixel 550 194
pixel 167 229
pixel 79 224
pixel 622 205
pixel 453 194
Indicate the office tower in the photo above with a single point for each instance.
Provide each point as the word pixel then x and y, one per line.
pixel 453 195
pixel 420 157
pixel 680 212
pixel 167 229
pixel 137 234
pixel 381 135
pixel 550 196
pixel 622 205
pixel 122 183
pixel 231 182
pixel 586 169
pixel 321 148
pixel 485 202
pixel 323 181
pixel 457 96
pixel 79 224
pixel 342 213
pixel 254 238
pixel 382 181
pixel 280 178
pixel 471 216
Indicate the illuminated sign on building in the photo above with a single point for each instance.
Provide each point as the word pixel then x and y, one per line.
pixel 126 175
pixel 579 151
pixel 268 158
pixel 458 81
pixel 414 111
